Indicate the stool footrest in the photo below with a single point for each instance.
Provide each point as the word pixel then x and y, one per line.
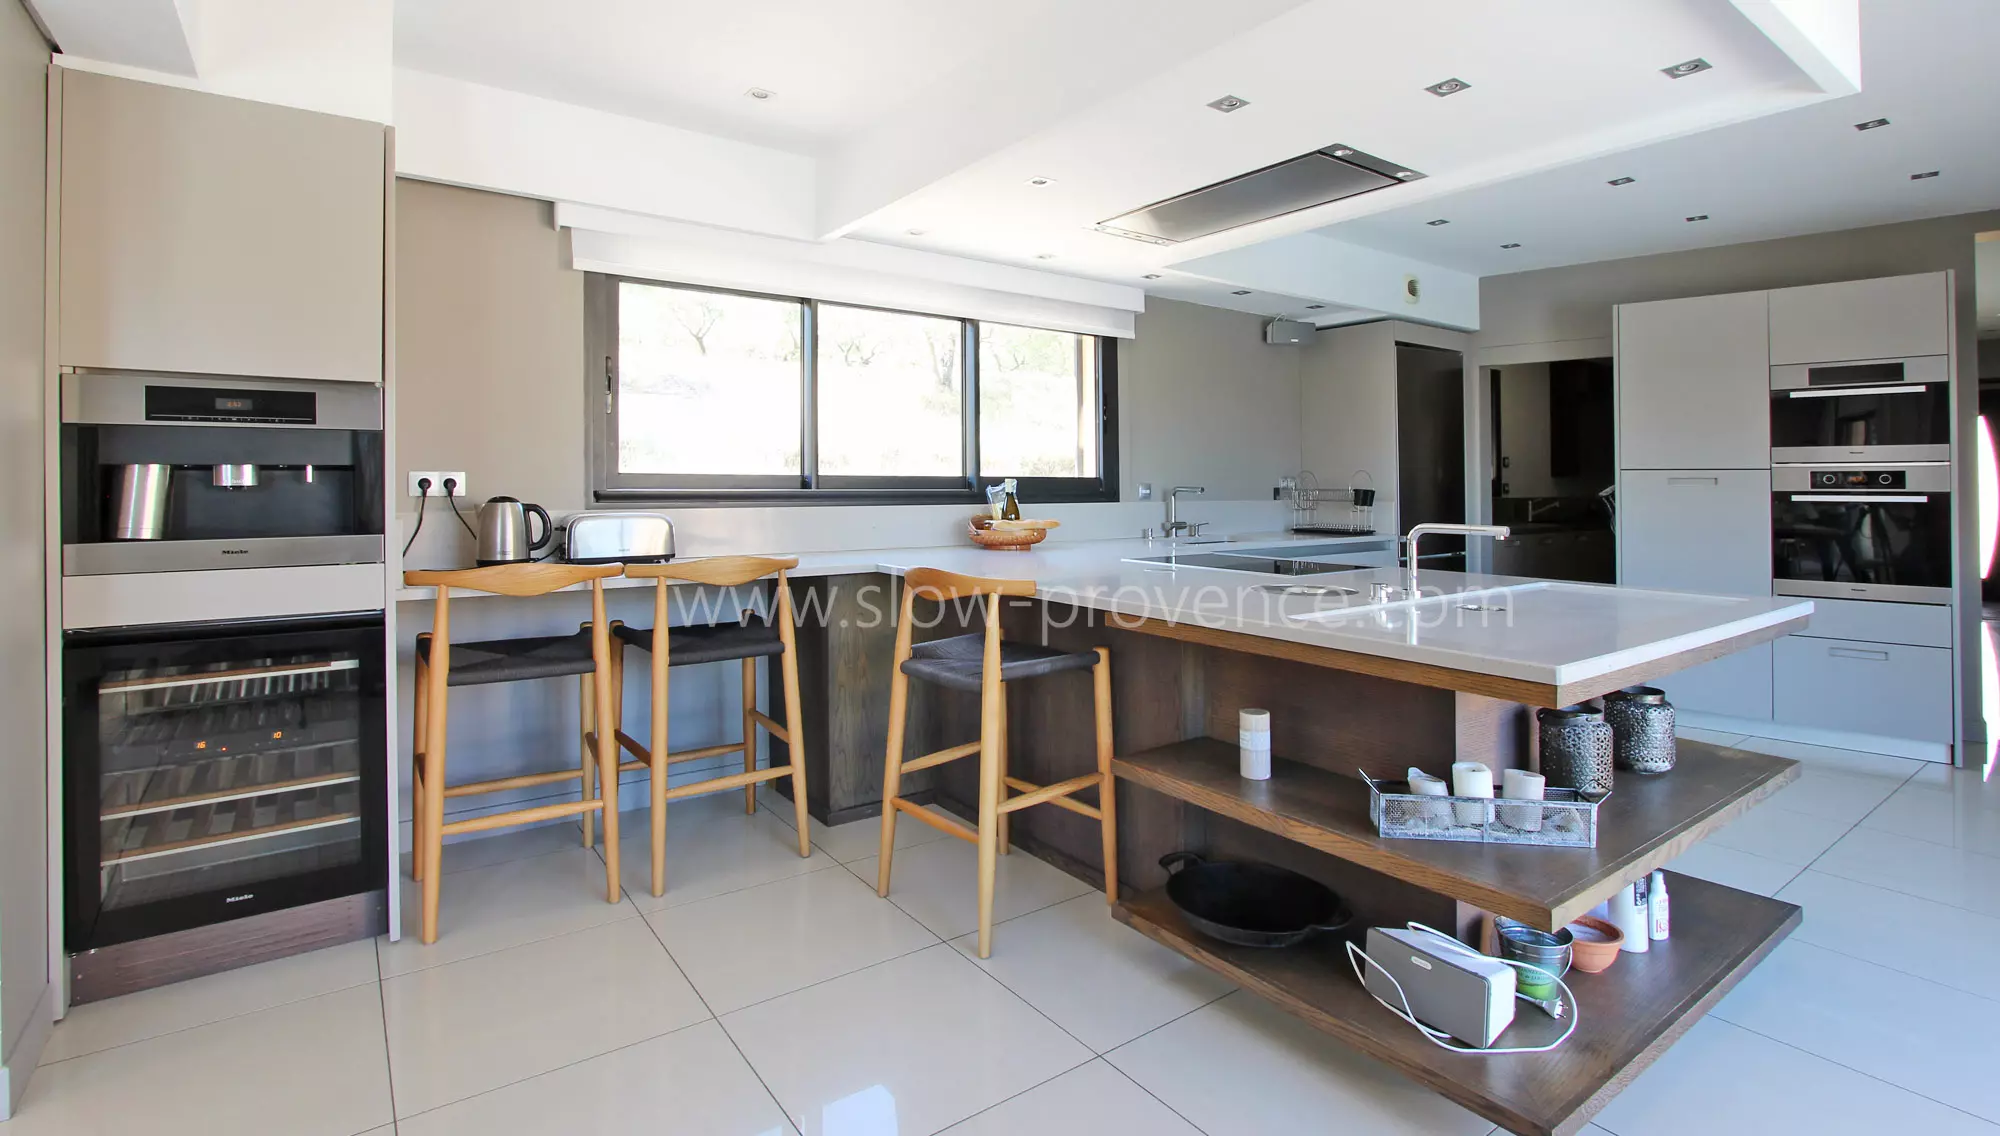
pixel 521 816
pixel 772 726
pixel 645 753
pixel 940 757
pixel 942 824
pixel 733 781
pixel 524 781
pixel 1056 794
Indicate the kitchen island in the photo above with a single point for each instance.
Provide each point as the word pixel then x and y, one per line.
pixel 1355 684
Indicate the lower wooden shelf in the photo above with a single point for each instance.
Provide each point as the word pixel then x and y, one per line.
pixel 1629 1014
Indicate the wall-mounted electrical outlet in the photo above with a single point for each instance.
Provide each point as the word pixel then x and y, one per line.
pixel 1145 491
pixel 437 482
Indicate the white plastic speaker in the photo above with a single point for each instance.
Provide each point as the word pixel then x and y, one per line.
pixel 1289 333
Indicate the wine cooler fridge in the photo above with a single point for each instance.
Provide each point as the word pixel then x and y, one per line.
pixel 220 774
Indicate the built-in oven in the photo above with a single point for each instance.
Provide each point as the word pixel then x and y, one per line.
pixel 218 772
pixel 1855 532
pixel 1880 410
pixel 172 473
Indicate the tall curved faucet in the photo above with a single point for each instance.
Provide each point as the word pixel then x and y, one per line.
pixel 1497 532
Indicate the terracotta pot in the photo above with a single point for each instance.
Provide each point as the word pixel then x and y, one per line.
pixel 1594 944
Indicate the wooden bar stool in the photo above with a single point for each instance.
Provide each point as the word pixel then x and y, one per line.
pixel 748 641
pixel 443 664
pixel 985 664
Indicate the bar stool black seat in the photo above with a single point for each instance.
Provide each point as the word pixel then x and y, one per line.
pixel 958 662
pixel 515 660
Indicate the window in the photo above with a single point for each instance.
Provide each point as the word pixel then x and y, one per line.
pixel 706 395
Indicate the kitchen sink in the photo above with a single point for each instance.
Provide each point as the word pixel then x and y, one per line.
pixel 1251 562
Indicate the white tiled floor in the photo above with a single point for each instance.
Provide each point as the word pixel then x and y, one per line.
pixel 768 995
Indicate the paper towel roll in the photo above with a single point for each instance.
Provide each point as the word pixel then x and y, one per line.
pixel 1471 779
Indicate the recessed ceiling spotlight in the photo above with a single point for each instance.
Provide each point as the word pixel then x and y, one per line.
pixel 758 93
pixel 1039 182
pixel 1693 66
pixel 1925 174
pixel 916 232
pixel 1621 181
pixel 1314 307
pixel 1241 292
pixel 1515 245
pixel 1872 124
pixel 1045 256
pixel 1228 103
pixel 1699 217
pixel 1447 87
pixel 1439 221
pixel 1150 276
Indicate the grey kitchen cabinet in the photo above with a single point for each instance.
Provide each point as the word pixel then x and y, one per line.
pixel 1886 318
pixel 1888 689
pixel 218 236
pixel 1693 379
pixel 1703 530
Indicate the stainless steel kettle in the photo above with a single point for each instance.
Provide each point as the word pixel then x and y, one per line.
pixel 503 531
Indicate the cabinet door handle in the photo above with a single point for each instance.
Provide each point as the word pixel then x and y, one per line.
pixel 1694 481
pixel 1857 653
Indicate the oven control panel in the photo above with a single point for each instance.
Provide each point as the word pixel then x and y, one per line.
pixel 1859 479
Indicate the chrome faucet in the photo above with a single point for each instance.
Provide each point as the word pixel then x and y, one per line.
pixel 1497 532
pixel 1176 526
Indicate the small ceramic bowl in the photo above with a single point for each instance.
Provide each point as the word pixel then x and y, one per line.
pixel 1594 944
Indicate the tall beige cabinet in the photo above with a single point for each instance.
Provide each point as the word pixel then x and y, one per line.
pixel 217 236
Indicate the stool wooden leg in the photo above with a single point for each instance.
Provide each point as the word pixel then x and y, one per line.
pixel 657 776
pixel 431 848
pixel 1107 790
pixel 417 768
pixel 795 722
pixel 586 699
pixel 617 695
pixel 1005 828
pixel 608 750
pixel 892 774
pixel 749 732
pixel 990 787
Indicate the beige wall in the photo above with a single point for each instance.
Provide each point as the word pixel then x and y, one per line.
pixel 489 358
pixel 24 913
pixel 489 346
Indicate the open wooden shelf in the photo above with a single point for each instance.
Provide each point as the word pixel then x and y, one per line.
pixel 1646 821
pixel 1629 1014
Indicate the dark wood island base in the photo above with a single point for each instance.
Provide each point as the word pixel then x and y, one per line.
pixel 1176 693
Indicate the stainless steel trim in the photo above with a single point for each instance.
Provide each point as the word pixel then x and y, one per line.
pixel 118 558
pixel 1844 392
pixel 264 834
pixel 1862 498
pixel 1860 455
pixel 119 398
pixel 1917 478
pixel 1838 590
pixel 612 538
pixel 233 475
pixel 246 794
pixel 202 679
pixel 140 511
pixel 1916 369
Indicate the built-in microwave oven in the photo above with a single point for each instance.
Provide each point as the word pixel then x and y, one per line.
pixel 1862 532
pixel 168 473
pixel 1878 410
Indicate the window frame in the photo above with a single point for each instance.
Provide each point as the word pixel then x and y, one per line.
pixel 610 486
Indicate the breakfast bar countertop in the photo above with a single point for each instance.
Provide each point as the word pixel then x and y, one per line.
pixel 1554 634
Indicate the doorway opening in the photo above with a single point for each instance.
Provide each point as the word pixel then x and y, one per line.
pixel 1554 463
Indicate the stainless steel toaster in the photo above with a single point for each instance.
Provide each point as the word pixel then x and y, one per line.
pixel 619 538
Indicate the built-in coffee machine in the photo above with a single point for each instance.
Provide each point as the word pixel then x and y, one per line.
pixel 183 473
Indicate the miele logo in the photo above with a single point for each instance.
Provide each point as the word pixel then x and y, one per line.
pixel 241 898
pixel 236 552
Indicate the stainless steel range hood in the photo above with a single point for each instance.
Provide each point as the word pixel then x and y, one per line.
pixel 1329 174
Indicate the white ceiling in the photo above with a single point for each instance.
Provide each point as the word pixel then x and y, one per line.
pixel 1932 67
pixel 833 68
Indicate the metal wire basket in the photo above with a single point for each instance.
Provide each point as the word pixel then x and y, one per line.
pixel 1565 819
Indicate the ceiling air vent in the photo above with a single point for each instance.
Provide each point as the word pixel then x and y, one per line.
pixel 1330 174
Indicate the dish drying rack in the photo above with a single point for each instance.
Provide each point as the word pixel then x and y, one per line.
pixel 1358 519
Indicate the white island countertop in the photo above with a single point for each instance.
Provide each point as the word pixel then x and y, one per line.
pixel 1540 631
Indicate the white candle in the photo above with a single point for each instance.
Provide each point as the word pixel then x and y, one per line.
pixel 1253 744
pixel 1471 779
pixel 1521 785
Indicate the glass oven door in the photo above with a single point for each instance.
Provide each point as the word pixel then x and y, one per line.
pixel 1907 422
pixel 1833 538
pixel 219 773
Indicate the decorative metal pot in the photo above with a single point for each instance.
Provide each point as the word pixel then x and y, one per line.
pixel 1642 728
pixel 1576 749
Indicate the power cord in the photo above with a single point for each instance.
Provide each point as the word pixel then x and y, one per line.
pixel 451 498
pixel 424 489
pixel 1356 956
